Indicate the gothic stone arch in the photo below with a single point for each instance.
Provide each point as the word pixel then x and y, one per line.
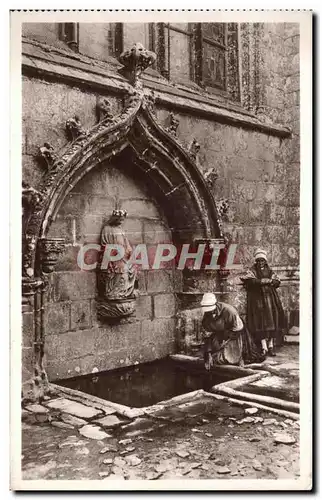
pixel 157 154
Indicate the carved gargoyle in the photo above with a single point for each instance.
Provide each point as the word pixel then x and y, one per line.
pixel 173 125
pixel 74 128
pixel 47 155
pixel 194 149
pixel 103 109
pixel 136 60
pixel 149 100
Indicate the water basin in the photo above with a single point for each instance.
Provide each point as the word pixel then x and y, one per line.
pixel 146 384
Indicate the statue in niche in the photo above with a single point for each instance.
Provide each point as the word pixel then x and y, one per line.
pixel 116 279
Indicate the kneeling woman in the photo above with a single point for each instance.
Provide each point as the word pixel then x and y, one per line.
pixel 227 340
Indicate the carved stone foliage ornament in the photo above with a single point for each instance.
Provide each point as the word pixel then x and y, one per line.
pixel 222 207
pixel 136 60
pixel 173 125
pixel 115 278
pixel 49 251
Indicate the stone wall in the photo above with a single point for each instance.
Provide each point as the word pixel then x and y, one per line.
pixel 257 172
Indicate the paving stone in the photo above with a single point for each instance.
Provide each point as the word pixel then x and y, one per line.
pixel 115 477
pixel 93 432
pixel 222 470
pixel 35 408
pixel 104 473
pixel 130 448
pixel 42 417
pixel 153 475
pixel 282 463
pixel 284 439
pixel 125 441
pixel 108 461
pixel 109 421
pixel 108 410
pixel 258 420
pixel 74 408
pixel 62 425
pixel 133 460
pixel 161 467
pixel 208 434
pixel 70 419
pixel 220 462
pixel 246 420
pixel 251 411
pixel 294 331
pixel 28 417
pixel 82 451
pixel 257 465
pixel 138 424
pixel 119 462
pixel 110 447
pixel 71 443
pixel 182 453
pixel 269 421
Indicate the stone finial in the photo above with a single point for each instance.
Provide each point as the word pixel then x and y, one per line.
pixel 173 125
pixel 136 60
pixel 194 149
pixel 47 155
pixel 103 109
pixel 74 128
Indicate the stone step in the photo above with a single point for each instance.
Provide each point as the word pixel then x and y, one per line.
pixel 291 339
pixel 73 408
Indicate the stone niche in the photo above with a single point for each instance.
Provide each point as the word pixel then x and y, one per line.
pixel 76 340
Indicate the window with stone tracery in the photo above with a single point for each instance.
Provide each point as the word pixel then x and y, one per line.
pixel 204 53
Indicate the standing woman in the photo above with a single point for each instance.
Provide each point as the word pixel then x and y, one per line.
pixel 265 315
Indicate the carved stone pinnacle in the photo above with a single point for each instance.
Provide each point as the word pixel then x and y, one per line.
pixel 136 60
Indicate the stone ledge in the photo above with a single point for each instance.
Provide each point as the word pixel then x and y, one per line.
pixel 47 62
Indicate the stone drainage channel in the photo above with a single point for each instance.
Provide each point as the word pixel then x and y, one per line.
pixel 97 419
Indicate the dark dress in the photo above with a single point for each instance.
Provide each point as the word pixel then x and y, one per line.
pixel 228 339
pixel 265 315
